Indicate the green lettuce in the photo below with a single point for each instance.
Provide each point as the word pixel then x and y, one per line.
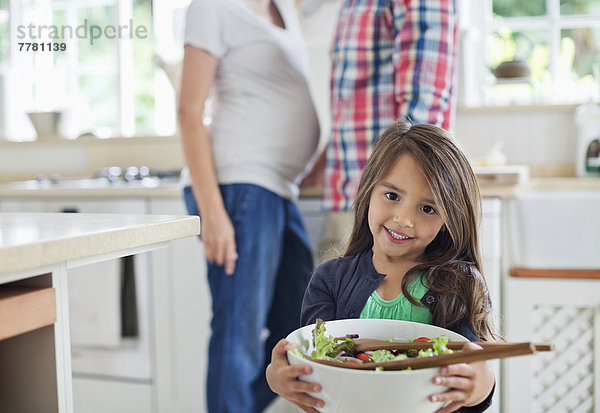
pixel 326 346
pixel 381 356
pixel 438 347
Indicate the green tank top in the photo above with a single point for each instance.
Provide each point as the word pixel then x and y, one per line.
pixel 399 308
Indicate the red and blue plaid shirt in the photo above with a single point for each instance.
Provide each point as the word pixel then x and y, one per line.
pixel 391 59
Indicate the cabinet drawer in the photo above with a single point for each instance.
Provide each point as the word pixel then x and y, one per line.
pixel 96 395
pixel 29 309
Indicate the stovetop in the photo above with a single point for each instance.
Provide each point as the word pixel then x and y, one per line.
pixel 108 178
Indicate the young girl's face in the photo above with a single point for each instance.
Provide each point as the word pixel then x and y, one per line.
pixel 403 217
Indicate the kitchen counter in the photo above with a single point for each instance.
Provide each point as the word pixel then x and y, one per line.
pixel 34 240
pixel 100 188
pixel 563 183
pixel 169 188
pixel 35 251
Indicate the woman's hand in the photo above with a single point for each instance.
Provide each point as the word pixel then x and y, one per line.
pixel 218 237
pixel 283 379
pixel 470 383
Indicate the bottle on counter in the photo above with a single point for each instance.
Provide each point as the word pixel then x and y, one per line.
pixel 587 154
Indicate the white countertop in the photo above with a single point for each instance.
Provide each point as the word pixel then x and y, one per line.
pixel 35 240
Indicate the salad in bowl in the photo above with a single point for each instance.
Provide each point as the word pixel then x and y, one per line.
pixel 351 390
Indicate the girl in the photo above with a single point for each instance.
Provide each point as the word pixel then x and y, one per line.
pixel 412 255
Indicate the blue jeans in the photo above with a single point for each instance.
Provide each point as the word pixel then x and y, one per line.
pixel 265 292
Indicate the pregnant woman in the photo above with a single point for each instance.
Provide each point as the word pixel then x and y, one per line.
pixel 249 57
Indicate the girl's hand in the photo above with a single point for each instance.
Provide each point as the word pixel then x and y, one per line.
pixel 283 379
pixel 218 237
pixel 470 383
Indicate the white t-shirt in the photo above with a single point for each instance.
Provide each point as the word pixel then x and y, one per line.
pixel 264 126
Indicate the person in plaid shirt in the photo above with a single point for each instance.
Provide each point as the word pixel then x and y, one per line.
pixel 391 60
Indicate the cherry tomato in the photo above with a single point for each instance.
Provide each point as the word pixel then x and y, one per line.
pixel 350 361
pixel 363 357
pixel 422 340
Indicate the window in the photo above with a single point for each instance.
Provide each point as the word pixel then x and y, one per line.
pixel 104 81
pixel 558 40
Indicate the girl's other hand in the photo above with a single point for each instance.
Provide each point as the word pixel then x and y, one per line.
pixel 469 383
pixel 283 379
pixel 218 237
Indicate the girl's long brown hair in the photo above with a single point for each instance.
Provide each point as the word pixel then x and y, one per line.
pixel 451 262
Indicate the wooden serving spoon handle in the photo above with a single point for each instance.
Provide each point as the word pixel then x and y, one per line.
pixel 371 344
pixel 507 350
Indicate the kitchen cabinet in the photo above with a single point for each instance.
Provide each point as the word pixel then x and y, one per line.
pixel 36 251
pixel 552 294
pixel 163 369
pixel 101 355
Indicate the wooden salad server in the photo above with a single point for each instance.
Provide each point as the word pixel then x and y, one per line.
pixel 371 344
pixel 497 352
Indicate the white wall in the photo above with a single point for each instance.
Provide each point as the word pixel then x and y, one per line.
pixel 318 31
pixel 531 135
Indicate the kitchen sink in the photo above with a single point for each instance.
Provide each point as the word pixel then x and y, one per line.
pixel 558 229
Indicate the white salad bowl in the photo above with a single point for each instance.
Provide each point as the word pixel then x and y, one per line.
pixel 369 391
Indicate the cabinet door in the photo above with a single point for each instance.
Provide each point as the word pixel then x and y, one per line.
pixel 565 313
pixel 491 249
pixel 182 318
pixel 109 396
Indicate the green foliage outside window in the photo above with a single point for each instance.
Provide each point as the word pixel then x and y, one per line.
pixel 98 81
pixel 59 19
pixel 580 7
pixel 4 32
pixel 4 42
pixel 586 49
pixel 517 8
pixel 99 94
pixel 144 69
pixel 99 51
pixel 519 45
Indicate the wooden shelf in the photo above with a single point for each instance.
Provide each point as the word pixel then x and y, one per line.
pixel 25 309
